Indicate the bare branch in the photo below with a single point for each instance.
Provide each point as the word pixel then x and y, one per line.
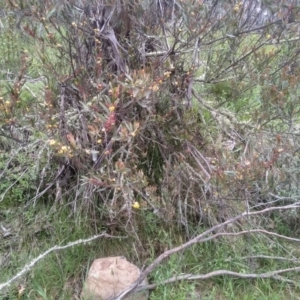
pixel 252 231
pixel 271 257
pixel 205 237
pixel 30 265
pixel 272 274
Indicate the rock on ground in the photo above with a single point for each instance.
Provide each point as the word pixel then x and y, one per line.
pixel 109 276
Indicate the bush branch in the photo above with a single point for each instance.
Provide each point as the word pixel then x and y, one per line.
pixel 30 265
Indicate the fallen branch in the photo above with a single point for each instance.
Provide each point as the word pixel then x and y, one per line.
pixel 272 274
pixel 255 231
pixel 206 236
pixel 55 248
pixel 293 260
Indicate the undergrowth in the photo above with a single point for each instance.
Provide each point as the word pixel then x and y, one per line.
pixel 117 131
pixel 36 230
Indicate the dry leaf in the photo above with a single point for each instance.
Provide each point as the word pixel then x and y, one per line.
pixel 71 140
pixel 21 290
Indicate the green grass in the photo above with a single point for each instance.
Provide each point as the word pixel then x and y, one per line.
pixel 60 275
pixel 35 229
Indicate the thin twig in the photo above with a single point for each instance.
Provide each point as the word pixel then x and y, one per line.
pixel 271 274
pixel 271 257
pixel 191 80
pixel 30 265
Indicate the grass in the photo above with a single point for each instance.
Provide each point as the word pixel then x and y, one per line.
pixel 37 230
pixel 39 227
pixel 60 275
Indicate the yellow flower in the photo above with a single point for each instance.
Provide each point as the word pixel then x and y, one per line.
pixel 155 88
pixel 136 205
pixel 111 108
pixel 52 142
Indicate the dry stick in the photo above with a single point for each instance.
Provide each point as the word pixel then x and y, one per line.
pixel 293 260
pixel 62 115
pixel 191 81
pixel 210 108
pixel 212 237
pixel 197 160
pixel 259 231
pixel 40 194
pixel 200 238
pixel 272 274
pixel 2 133
pixel 55 248
pixel 15 182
